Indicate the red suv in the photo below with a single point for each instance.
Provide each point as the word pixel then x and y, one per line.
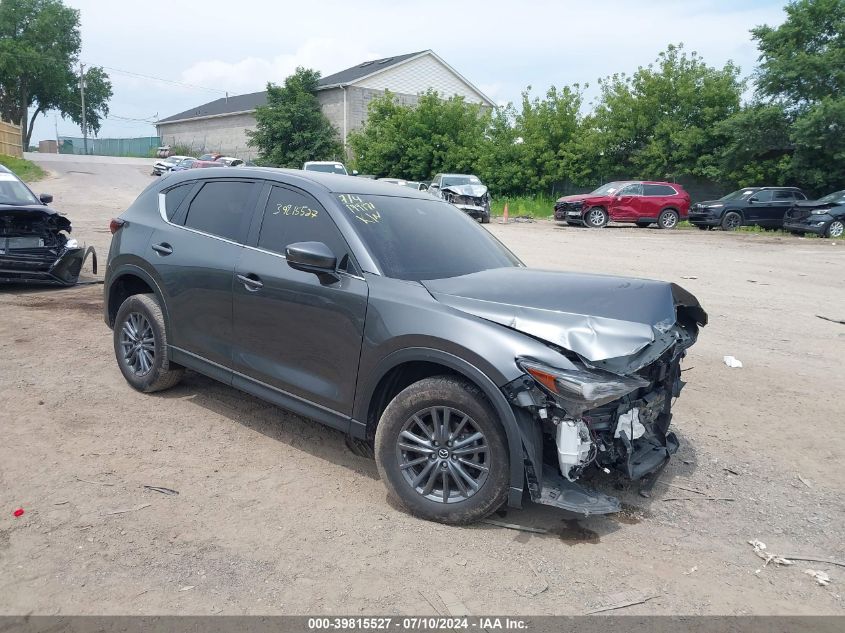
pixel 638 201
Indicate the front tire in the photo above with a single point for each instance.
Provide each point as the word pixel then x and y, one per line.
pixel 140 345
pixel 668 219
pixel 732 221
pixel 442 453
pixel 596 218
pixel 836 229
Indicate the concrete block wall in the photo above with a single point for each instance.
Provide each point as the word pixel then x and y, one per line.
pixel 224 134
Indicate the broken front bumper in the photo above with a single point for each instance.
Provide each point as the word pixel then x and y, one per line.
pixel 45 266
pixel 474 211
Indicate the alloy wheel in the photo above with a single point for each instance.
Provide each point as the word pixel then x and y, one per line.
pixel 836 228
pixel 596 217
pixel 137 342
pixel 443 454
pixel 669 220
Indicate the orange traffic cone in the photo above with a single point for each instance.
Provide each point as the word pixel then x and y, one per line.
pixel 505 214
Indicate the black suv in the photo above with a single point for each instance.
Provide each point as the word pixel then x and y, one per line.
pixel 394 317
pixel 752 206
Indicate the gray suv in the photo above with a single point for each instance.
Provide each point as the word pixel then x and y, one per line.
pixel 395 318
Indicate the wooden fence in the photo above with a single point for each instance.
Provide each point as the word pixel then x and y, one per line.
pixel 10 139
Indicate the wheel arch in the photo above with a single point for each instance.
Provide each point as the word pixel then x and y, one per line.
pixel 128 280
pixel 404 367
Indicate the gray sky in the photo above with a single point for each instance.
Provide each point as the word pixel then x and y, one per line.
pixel 501 47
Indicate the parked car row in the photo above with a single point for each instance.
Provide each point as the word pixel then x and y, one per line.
pixel 665 204
pixel 180 163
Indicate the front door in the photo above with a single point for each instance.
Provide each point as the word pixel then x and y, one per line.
pixel 195 257
pixel 759 207
pixel 293 331
pixel 624 207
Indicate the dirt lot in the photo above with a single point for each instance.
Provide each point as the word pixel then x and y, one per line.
pixel 275 515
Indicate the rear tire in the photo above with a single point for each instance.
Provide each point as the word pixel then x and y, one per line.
pixel 456 475
pixel 140 345
pixel 732 221
pixel 596 218
pixel 836 229
pixel 668 219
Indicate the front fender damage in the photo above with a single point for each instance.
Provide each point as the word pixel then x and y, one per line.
pixel 629 435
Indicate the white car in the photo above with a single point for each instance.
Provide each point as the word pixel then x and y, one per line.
pixel 328 167
pixel 164 165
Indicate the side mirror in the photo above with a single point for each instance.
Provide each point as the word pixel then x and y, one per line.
pixel 46 198
pixel 354 172
pixel 311 257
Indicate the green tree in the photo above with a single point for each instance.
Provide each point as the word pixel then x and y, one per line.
pixel 415 142
pixel 291 128
pixel 802 72
pixel 756 146
pixel 659 122
pixel 802 61
pixel 39 52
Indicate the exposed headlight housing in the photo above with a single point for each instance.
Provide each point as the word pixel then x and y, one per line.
pixel 714 206
pixel 582 389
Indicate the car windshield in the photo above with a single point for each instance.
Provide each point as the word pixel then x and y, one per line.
pixel 13 191
pixel 330 168
pixel 609 188
pixel 450 181
pixel 738 195
pixel 415 239
pixel 836 196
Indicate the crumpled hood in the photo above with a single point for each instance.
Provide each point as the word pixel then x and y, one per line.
pixel 580 197
pixel 598 317
pixel 809 204
pixel 476 191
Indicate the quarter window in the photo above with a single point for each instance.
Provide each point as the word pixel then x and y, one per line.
pixel 174 197
pixel 292 216
pixel 659 190
pixel 222 208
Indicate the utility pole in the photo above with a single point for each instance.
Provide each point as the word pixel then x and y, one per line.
pixel 82 97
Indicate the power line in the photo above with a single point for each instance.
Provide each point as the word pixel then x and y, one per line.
pixel 162 79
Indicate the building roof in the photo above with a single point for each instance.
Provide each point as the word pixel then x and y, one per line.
pixel 364 69
pixel 222 106
pixel 248 102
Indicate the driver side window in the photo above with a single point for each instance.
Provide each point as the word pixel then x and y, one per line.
pixel 631 190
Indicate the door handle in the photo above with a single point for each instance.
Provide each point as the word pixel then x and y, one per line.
pixel 163 249
pixel 251 284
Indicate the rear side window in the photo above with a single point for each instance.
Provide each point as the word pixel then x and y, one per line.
pixel 784 195
pixel 659 190
pixel 222 208
pixel 174 197
pixel 293 216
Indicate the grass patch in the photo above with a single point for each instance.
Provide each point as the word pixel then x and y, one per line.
pixel 24 169
pixel 529 206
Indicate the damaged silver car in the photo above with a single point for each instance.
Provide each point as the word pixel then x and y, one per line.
pixel 466 192
pixel 35 242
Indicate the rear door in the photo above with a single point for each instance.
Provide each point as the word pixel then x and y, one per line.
pixel 293 331
pixel 782 201
pixel 625 205
pixel 654 199
pixel 195 255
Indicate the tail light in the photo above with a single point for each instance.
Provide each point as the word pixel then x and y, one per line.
pixel 116 224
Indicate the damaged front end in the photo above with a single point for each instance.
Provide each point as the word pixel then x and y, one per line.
pixel 36 248
pixel 607 404
pixel 474 200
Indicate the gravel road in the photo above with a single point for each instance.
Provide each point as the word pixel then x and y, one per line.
pixel 275 515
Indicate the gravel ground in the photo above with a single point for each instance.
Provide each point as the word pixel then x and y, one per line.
pixel 275 515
